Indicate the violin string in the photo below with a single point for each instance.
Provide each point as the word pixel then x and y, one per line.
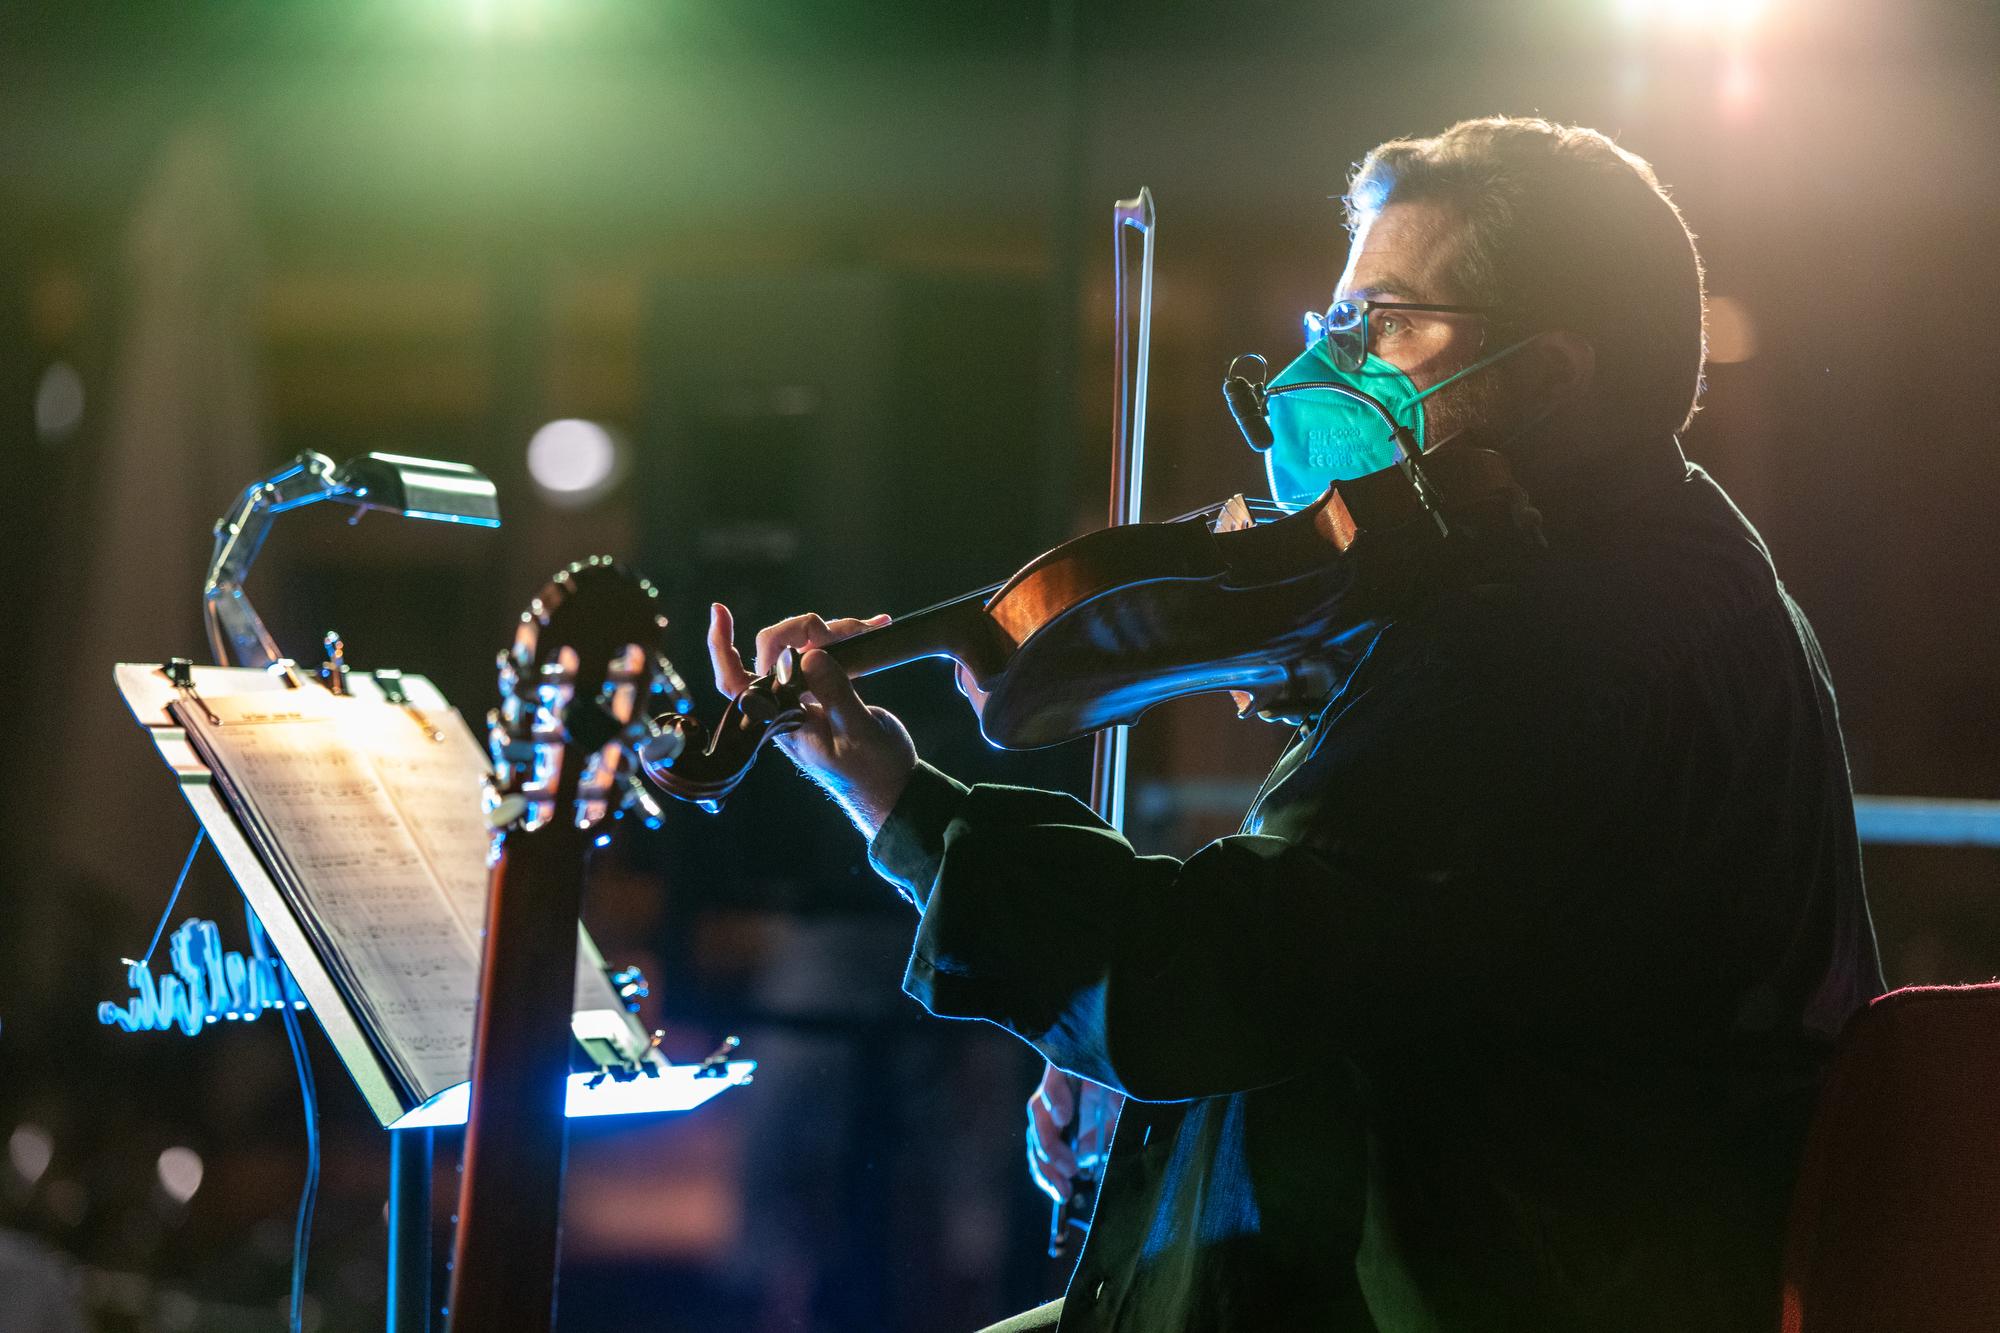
pixel 976 593
pixel 1205 511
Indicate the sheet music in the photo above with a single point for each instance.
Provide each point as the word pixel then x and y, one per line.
pixel 378 829
pixel 329 820
pixel 436 784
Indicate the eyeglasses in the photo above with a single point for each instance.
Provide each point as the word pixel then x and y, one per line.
pixel 1345 326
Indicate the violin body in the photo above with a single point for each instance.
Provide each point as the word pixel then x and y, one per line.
pixel 1097 631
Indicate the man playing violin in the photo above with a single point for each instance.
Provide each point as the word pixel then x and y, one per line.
pixel 1506 1008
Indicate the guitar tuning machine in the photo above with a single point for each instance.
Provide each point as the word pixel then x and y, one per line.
pixel 630 983
pixel 638 799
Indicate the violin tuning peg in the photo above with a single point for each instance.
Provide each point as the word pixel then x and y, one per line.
pixel 787 666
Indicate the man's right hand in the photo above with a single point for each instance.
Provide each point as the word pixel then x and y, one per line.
pixel 1053 1159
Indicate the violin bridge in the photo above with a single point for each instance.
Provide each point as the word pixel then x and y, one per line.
pixel 1233 516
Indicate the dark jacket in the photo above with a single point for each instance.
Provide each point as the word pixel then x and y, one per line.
pixel 1506 1010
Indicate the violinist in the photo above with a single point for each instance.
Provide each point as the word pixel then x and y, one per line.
pixel 1506 1009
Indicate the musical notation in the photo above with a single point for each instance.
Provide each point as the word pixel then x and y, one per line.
pixel 370 827
pixel 373 820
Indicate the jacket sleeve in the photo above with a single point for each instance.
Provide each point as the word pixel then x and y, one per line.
pixel 1259 955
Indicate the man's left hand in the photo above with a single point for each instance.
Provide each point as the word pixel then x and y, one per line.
pixel 862 755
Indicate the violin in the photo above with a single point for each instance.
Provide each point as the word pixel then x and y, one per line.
pixel 1097 631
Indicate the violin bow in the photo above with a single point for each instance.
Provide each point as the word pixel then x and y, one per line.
pixel 1128 450
pixel 1110 759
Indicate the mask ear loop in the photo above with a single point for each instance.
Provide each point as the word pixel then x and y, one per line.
pixel 1480 364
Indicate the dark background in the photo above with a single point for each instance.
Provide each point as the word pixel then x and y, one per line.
pixel 837 279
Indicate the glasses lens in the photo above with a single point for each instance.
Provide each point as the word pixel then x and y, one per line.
pixel 1346 329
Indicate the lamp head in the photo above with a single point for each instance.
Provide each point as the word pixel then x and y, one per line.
pixel 417 488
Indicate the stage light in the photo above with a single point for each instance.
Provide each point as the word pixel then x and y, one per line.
pixel 180 1172
pixel 1694 15
pixel 499 18
pixel 574 462
pixel 1741 13
pixel 29 1151
pixel 58 403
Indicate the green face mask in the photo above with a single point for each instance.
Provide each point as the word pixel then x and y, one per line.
pixel 1334 425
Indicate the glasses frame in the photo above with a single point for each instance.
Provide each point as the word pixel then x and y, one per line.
pixel 1342 340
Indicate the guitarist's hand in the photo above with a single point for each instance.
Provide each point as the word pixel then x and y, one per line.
pixel 862 755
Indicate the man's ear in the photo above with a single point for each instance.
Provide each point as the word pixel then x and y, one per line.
pixel 1565 365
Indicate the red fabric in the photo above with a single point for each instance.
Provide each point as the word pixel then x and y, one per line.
pixel 1896 1222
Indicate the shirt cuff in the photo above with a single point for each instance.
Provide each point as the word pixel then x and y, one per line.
pixel 909 847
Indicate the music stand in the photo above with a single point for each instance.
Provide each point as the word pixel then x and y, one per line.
pixel 414 488
pixel 613 1040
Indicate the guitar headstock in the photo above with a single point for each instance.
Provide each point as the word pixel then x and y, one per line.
pixel 580 688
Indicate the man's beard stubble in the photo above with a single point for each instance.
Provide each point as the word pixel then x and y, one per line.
pixel 1481 411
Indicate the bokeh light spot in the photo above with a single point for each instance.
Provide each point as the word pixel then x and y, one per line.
pixel 574 462
pixel 180 1173
pixel 29 1151
pixel 58 403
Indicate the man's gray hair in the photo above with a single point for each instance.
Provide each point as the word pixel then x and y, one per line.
pixel 1562 229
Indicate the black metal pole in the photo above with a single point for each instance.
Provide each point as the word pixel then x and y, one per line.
pixel 410 1153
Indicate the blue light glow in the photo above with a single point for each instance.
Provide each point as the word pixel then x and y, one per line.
pixel 1927 820
pixel 452 518
pixel 662 1088
pixel 206 984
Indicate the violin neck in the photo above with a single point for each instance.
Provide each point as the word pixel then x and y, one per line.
pixel 958 629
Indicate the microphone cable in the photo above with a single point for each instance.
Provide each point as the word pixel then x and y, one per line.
pixel 309 1192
